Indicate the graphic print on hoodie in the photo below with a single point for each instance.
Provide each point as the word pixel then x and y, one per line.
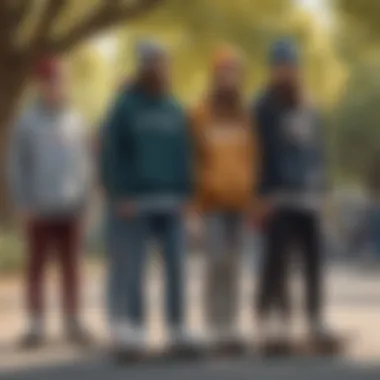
pixel 226 160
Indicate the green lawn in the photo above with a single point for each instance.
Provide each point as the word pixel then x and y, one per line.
pixel 12 252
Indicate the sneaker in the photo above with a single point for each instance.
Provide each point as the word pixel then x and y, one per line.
pixel 227 343
pixel 323 339
pixel 35 336
pixel 130 342
pixel 275 339
pixel 182 344
pixel 116 330
pixel 32 339
pixel 78 335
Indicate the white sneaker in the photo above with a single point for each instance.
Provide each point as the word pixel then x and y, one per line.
pixel 283 331
pixel 183 343
pixel 274 331
pixel 228 341
pixel 184 337
pixel 230 334
pixel 179 336
pixel 115 331
pixel 321 331
pixel 129 336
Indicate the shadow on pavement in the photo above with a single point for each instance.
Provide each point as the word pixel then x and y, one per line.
pixel 252 369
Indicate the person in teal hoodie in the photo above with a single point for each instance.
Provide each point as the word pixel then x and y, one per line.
pixel 147 179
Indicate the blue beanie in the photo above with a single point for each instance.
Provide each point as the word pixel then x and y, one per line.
pixel 148 51
pixel 284 51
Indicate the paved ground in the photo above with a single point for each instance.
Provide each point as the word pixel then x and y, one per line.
pixel 353 307
pixel 234 370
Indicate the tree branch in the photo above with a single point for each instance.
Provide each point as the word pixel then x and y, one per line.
pixel 11 13
pixel 109 14
pixel 4 37
pixel 49 14
pixel 20 12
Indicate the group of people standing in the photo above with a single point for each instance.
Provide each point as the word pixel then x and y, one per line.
pixel 159 166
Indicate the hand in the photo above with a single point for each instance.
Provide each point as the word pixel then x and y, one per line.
pixel 126 209
pixel 193 219
pixel 102 192
pixel 261 213
pixel 195 226
pixel 25 217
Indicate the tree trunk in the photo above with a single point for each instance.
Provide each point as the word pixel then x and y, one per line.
pixel 12 84
pixel 15 66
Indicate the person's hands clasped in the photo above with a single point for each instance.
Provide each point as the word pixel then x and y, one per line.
pixel 261 213
pixel 126 209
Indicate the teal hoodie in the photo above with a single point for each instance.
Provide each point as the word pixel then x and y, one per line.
pixel 146 148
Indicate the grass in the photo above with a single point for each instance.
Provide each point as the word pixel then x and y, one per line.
pixel 11 252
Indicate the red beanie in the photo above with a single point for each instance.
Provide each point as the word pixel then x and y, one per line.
pixel 48 68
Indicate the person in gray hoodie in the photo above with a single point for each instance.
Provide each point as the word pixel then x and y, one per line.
pixel 49 176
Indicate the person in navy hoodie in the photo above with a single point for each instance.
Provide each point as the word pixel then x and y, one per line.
pixel 293 188
pixel 147 178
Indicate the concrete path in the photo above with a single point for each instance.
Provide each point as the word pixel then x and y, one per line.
pixel 353 308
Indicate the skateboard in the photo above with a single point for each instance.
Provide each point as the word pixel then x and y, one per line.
pixel 228 349
pixel 328 346
pixel 276 348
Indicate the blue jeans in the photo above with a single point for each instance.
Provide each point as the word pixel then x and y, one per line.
pixel 374 227
pixel 127 242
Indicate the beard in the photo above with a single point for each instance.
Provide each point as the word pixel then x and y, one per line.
pixel 288 93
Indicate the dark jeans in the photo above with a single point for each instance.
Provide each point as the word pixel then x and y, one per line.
pixel 128 240
pixel 43 235
pixel 289 229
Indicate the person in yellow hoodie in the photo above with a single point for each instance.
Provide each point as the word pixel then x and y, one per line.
pixel 226 165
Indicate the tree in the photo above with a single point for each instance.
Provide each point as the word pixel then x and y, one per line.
pixel 363 15
pixel 194 30
pixel 91 82
pixel 355 121
pixel 357 116
pixel 33 28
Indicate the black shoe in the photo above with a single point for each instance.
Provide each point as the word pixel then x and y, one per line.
pixel 276 348
pixel 32 340
pixel 185 347
pixel 324 342
pixel 129 355
pixel 229 347
pixel 184 352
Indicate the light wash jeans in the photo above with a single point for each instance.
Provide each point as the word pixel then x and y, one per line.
pixel 127 246
pixel 224 245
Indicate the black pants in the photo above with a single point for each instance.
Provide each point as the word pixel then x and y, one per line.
pixel 289 229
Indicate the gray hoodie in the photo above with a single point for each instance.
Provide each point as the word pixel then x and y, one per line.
pixel 49 166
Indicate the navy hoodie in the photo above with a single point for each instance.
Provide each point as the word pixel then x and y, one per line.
pixel 292 146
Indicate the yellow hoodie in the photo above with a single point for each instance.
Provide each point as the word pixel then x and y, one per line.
pixel 226 161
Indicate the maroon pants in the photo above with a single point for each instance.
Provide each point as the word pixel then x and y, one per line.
pixel 44 236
